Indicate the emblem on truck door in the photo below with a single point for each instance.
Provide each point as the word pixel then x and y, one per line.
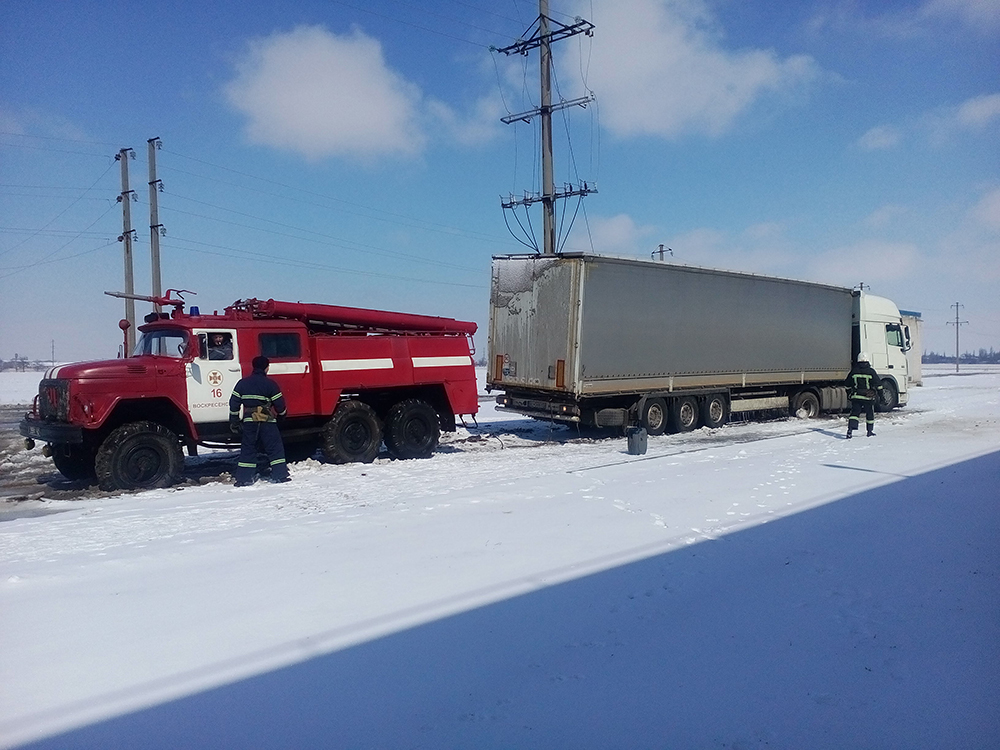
pixel 214 377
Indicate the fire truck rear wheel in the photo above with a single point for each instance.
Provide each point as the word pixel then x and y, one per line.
pixel 139 455
pixel 353 434
pixel 412 429
pixel 73 461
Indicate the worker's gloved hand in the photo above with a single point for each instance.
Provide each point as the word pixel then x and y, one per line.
pixel 234 425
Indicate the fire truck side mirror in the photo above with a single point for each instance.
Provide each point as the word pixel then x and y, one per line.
pixel 124 325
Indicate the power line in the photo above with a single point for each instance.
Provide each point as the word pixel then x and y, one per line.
pixel 324 241
pixel 18 269
pixel 404 220
pixel 61 213
pixel 277 260
pixel 58 138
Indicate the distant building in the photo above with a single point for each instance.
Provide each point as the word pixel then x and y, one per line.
pixel 915 322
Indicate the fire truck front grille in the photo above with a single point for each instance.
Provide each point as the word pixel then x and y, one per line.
pixel 53 400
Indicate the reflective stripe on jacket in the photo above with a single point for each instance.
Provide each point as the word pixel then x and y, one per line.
pixel 257 390
pixel 863 383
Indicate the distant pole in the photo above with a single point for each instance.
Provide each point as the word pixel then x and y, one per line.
pixel 958 324
pixel 155 227
pixel 53 352
pixel 126 238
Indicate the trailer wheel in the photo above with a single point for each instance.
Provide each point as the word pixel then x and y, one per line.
pixel 805 405
pixel 889 397
pixel 654 416
pixel 715 410
pixel 139 455
pixel 684 414
pixel 73 461
pixel 412 429
pixel 353 434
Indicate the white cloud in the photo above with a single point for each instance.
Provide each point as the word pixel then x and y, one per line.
pixel 314 92
pixel 974 115
pixel 986 213
pixel 979 112
pixel 885 216
pixel 880 138
pixel 660 68
pixel 480 126
pixel 977 14
pixel 616 235
pixel 938 126
pixel 909 20
pixel 865 261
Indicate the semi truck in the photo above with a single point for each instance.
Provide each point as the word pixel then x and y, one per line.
pixel 617 342
pixel 352 378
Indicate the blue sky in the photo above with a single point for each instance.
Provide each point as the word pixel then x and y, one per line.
pixel 352 152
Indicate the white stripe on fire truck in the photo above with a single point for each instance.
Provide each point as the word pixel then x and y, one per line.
pixel 340 365
pixel 287 368
pixel 441 361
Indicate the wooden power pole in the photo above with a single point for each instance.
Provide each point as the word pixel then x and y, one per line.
pixel 126 200
pixel 155 227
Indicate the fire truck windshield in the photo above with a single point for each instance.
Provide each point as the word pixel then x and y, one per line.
pixel 162 344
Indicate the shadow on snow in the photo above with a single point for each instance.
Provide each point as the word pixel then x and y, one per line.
pixel 870 622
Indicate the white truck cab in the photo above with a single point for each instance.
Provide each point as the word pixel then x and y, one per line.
pixel 879 331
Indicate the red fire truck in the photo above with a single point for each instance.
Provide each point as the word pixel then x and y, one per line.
pixel 352 378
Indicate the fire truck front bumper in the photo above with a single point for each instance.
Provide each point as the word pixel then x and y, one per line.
pixel 50 432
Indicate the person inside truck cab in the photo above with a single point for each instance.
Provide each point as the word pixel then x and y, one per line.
pixel 220 346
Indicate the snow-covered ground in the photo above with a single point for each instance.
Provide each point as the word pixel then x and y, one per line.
pixel 762 585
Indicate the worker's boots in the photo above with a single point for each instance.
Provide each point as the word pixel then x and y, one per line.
pixel 849 431
pixel 871 433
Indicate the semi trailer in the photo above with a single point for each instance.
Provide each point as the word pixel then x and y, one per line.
pixel 617 342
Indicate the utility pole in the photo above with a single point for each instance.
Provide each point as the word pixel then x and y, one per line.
pixel 958 324
pixel 125 199
pixel 155 227
pixel 548 31
pixel 548 182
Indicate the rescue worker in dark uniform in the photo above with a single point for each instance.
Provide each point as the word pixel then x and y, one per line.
pixel 863 386
pixel 262 404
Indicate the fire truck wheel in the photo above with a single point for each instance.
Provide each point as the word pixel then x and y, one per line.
pixel 300 451
pixel 139 455
pixel 412 429
pixel 73 461
pixel 354 433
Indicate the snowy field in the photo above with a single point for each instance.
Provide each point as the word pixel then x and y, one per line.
pixel 762 585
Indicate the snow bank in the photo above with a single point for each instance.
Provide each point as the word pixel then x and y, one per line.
pixel 19 387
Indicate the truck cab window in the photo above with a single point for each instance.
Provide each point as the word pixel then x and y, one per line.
pixel 280 345
pixel 217 345
pixel 894 335
pixel 161 344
